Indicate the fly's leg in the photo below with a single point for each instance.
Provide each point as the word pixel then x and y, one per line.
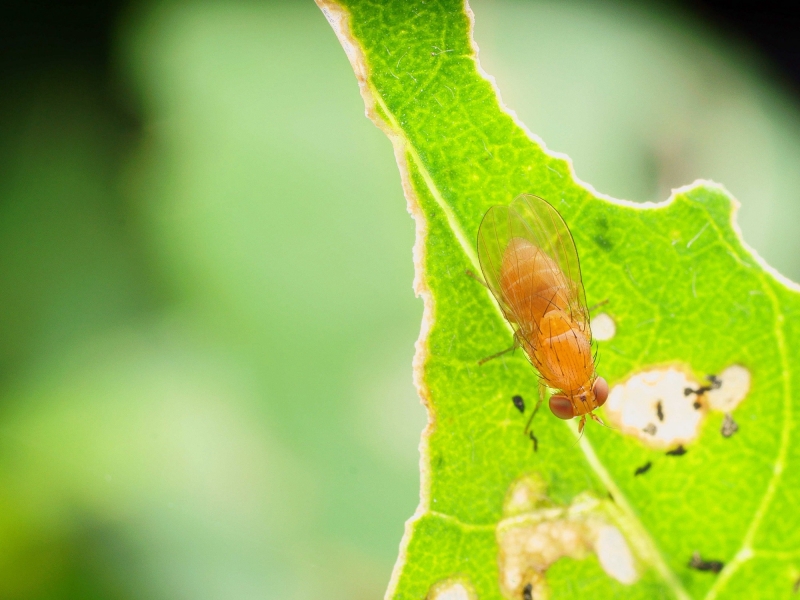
pixel 536 408
pixel 598 305
pixel 516 341
pixel 476 278
pixel 506 351
pixel 497 354
pixel 533 414
pixel 528 429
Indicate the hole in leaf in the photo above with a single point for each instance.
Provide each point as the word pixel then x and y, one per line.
pixel 603 327
pixel 451 589
pixel 536 533
pixel 665 408
pixel 734 383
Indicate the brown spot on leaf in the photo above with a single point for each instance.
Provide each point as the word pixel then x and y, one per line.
pixel 697 562
pixel 729 426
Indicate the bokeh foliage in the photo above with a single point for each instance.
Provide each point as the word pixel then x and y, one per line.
pixel 206 320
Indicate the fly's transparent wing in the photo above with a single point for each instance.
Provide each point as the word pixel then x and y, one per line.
pixel 500 225
pixel 550 233
pixel 530 264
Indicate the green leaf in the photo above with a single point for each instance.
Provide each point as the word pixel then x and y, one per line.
pixel 688 300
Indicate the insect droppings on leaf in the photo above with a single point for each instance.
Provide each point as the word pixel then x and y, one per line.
pixel 697 563
pixel 530 264
pixel 643 469
pixel 650 429
pixel 527 592
pixel 714 383
pixel 519 402
pixel 679 451
pixel 660 410
pixel 729 426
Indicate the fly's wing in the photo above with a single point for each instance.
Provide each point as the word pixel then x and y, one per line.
pixel 499 226
pixel 550 233
pixel 536 221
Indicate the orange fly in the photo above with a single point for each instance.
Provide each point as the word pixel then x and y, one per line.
pixel 531 266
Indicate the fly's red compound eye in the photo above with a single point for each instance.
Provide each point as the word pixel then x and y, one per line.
pixel 561 407
pixel 600 390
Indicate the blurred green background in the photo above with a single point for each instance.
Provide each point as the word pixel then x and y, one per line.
pixel 206 314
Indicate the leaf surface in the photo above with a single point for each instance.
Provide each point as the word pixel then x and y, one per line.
pixel 682 290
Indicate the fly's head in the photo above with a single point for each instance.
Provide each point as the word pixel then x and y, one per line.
pixel 583 401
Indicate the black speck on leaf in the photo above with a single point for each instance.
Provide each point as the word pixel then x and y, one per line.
pixel 697 563
pixel 527 592
pixel 679 451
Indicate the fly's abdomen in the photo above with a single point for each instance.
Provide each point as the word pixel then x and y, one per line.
pixel 532 283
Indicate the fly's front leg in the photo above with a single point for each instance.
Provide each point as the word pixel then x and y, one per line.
pixel 582 424
pixel 497 354
pixel 533 414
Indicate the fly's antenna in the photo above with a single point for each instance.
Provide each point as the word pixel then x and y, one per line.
pixel 580 437
pixel 599 420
